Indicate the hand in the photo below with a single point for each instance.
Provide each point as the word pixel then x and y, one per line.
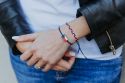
pixel 62 65
pixel 65 65
pixel 23 46
pixel 49 52
pixel 48 48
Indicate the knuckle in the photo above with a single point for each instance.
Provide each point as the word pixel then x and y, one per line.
pixel 69 67
pixel 45 59
pixel 37 55
pixel 34 49
pixel 52 62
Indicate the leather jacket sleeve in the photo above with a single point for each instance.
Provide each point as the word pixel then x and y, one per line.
pixel 117 37
pixel 101 13
pixel 106 19
pixel 12 21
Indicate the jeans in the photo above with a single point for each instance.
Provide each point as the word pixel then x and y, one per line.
pixel 83 71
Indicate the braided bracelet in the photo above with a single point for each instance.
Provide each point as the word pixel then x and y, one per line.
pixel 76 39
pixel 64 37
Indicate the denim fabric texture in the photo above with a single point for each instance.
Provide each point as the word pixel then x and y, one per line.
pixel 83 71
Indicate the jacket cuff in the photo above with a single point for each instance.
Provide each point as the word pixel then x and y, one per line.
pixel 100 14
pixel 117 37
pixel 103 43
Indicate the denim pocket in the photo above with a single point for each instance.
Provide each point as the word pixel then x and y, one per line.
pixel 96 71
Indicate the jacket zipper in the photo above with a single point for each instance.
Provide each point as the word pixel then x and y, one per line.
pixel 112 47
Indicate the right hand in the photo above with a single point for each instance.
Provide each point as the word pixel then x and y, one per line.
pixel 23 46
pixel 62 65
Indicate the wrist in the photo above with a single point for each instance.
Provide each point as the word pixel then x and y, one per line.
pixel 79 27
pixel 68 33
pixel 76 29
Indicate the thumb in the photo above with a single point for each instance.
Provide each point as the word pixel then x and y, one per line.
pixel 69 54
pixel 25 38
pixel 66 64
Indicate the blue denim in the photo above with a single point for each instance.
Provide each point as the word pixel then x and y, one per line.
pixel 83 71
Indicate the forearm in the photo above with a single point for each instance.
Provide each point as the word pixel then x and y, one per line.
pixel 102 14
pixel 79 26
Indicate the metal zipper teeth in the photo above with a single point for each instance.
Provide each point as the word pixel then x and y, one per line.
pixel 112 47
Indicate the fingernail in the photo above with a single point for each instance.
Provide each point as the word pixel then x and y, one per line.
pixel 15 37
pixel 44 70
pixel 72 53
pixel 37 67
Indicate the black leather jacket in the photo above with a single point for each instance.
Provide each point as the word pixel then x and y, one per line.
pixel 13 22
pixel 106 19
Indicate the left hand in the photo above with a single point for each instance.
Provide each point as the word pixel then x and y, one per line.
pixel 65 65
pixel 47 49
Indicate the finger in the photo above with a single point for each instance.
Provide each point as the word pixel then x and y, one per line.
pixel 59 68
pixel 67 64
pixel 71 60
pixel 25 38
pixel 69 54
pixel 40 63
pixel 32 60
pixel 26 55
pixel 63 63
pixel 23 46
pixel 47 67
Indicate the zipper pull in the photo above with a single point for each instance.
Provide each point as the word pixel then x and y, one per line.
pixel 113 49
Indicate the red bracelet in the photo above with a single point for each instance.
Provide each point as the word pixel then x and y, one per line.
pixel 64 37
pixel 76 39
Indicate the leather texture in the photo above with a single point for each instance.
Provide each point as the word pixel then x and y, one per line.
pixel 101 15
pixel 12 21
pixel 117 34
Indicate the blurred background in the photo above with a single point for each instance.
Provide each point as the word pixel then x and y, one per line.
pixel 6 72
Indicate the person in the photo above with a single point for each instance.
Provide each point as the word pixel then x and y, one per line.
pixel 65 41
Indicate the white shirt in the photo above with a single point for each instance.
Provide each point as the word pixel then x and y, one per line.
pixel 49 14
